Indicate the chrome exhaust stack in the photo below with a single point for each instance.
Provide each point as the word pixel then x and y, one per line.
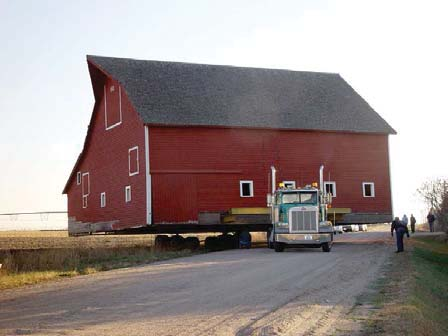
pixel 321 179
pixel 322 194
pixel 273 172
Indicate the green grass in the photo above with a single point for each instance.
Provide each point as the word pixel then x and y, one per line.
pixel 430 294
pixel 24 267
pixel 412 297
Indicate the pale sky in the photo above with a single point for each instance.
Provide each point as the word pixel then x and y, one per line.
pixel 393 53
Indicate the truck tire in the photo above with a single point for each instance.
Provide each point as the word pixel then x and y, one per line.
pixel 326 247
pixel 279 247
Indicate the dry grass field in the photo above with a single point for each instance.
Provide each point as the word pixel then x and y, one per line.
pixel 28 257
pixel 60 239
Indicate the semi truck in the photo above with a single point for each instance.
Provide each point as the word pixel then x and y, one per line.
pixel 299 216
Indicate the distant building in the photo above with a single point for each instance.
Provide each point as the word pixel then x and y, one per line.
pixel 167 141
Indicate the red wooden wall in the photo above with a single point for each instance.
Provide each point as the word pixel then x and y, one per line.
pixel 105 157
pixel 199 169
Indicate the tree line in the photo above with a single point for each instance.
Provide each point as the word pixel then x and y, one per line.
pixel 435 195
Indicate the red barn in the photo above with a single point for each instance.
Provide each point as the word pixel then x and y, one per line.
pixel 168 141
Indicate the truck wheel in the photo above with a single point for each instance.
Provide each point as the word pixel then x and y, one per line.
pixel 326 247
pixel 279 247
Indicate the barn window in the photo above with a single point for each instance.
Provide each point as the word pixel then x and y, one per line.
pixel 103 199
pixel 289 184
pixel 246 189
pixel 78 178
pixel 112 106
pixel 368 189
pixel 133 161
pixel 330 188
pixel 127 194
pixel 85 186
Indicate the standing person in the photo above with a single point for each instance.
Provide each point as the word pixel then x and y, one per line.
pixel 413 221
pixel 431 218
pixel 405 220
pixel 400 230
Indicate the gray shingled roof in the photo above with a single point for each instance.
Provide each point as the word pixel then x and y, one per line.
pixel 171 93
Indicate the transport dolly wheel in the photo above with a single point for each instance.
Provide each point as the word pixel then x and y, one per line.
pixel 192 243
pixel 162 242
pixel 326 247
pixel 177 243
pixel 268 239
pixel 279 247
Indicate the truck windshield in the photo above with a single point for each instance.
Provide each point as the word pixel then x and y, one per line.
pixel 300 197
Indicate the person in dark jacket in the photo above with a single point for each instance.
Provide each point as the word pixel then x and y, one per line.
pixel 431 219
pixel 400 230
pixel 413 221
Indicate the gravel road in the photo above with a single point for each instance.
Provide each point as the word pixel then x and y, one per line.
pixel 237 292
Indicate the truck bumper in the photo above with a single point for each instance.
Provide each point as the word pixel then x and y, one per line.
pixel 303 238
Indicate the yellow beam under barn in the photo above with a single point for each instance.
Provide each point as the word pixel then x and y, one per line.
pixel 250 211
pixel 339 210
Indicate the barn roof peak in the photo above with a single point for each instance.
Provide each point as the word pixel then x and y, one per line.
pixel 190 94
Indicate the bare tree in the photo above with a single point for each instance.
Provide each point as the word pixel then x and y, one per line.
pixel 443 213
pixel 435 195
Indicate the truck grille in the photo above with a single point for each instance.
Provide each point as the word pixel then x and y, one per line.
pixel 303 220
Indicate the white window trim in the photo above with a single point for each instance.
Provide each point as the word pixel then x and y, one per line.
pixel 78 178
pixel 334 187
pixel 105 108
pixel 88 184
pixel 148 179
pixel 290 182
pixel 126 194
pixel 372 188
pixel 103 200
pixel 251 188
pixel 84 201
pixel 129 161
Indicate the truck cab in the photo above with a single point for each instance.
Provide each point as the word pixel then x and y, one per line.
pixel 298 218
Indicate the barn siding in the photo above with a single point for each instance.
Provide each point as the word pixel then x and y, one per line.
pixel 105 157
pixel 199 169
